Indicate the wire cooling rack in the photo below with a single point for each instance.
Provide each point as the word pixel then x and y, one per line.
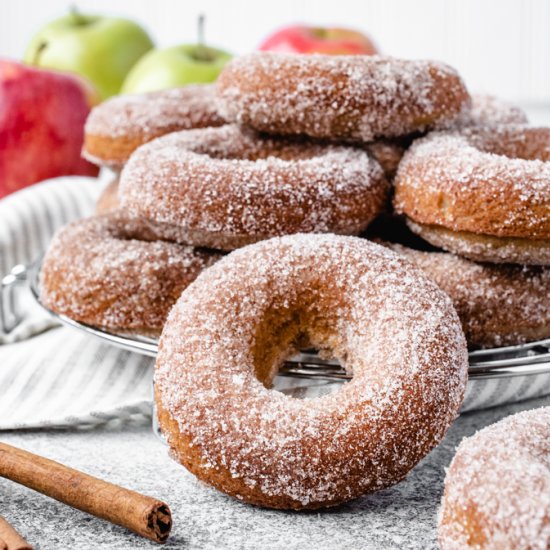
pixel 528 359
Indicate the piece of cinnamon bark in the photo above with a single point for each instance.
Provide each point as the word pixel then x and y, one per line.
pixel 141 514
pixel 10 539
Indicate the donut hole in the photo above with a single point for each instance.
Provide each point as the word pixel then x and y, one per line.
pixel 233 143
pixel 283 333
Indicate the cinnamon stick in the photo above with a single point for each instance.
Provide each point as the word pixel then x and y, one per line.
pixel 10 539
pixel 141 514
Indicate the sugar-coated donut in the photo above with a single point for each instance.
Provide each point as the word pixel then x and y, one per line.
pixel 226 187
pixel 111 271
pixel 488 110
pixel 339 97
pixel 485 110
pixel 483 193
pixel 231 329
pixel 497 489
pixel 116 127
pixel 486 248
pixel 498 305
pixel 108 198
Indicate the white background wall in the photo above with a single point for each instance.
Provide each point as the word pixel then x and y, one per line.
pixel 500 46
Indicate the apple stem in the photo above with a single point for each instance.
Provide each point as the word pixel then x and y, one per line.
pixel 78 18
pixel 202 51
pixel 36 58
pixel 200 29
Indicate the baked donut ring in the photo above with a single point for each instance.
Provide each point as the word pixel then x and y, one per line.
pixel 498 305
pixel 118 126
pixel 485 110
pixel 483 193
pixel 232 328
pixel 488 110
pixel 227 187
pixel 339 97
pixel 497 489
pixel 111 271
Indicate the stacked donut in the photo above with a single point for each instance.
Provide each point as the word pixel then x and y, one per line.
pixel 298 154
pixel 119 126
pixel 115 270
pixel 482 194
pixel 477 185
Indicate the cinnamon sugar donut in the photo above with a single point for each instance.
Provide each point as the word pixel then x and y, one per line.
pixel 110 271
pixel 226 187
pixel 232 328
pixel 483 193
pixel 108 199
pixel 488 110
pixel 498 305
pixel 497 489
pixel 485 110
pixel 116 127
pixel 339 97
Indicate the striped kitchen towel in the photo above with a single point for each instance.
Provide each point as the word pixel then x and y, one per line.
pixel 59 377
pixel 28 219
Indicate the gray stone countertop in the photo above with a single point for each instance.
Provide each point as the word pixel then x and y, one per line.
pixel 401 517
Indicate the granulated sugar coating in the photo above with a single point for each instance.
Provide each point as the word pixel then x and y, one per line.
pixel 111 271
pixel 230 330
pixel 498 305
pixel 226 187
pixel 497 489
pixel 485 248
pixel 348 97
pixel 491 182
pixel 116 127
pixel 487 110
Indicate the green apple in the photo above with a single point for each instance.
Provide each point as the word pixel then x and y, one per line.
pixel 175 66
pixel 102 49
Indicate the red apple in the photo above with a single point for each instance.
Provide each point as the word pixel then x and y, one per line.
pixel 332 41
pixel 42 116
